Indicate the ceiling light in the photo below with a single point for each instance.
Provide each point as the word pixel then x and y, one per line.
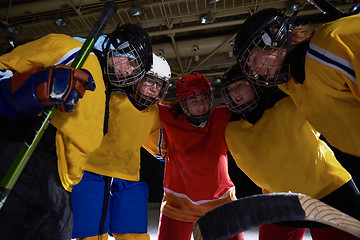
pixel 12 29
pixel 355 9
pixel 12 42
pixel 61 22
pixel 195 48
pixel 292 7
pixel 217 80
pixel 205 19
pixel 136 11
pixel 214 1
pixel 160 52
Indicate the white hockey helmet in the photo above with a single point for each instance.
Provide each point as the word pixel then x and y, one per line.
pixel 160 71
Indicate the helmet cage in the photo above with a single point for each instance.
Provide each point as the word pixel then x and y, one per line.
pixel 132 41
pixel 231 104
pixel 190 86
pixel 148 101
pixel 159 72
pixel 274 31
pixel 281 76
pixel 117 71
pixel 201 118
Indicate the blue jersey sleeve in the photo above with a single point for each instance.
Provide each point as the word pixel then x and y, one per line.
pixel 6 107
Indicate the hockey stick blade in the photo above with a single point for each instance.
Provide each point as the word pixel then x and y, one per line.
pixel 17 166
pixel 235 217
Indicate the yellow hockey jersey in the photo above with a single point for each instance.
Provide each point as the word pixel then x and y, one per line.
pixel 119 153
pixel 281 152
pixel 78 132
pixel 330 95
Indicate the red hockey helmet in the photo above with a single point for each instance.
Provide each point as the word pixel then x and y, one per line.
pixel 193 85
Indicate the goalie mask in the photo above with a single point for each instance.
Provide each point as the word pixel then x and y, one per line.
pixel 261 45
pixel 128 55
pixel 153 87
pixel 195 97
pixel 240 95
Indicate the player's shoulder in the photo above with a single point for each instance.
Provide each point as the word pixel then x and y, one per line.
pixel 61 38
pixel 340 27
pixel 166 104
pixel 221 113
pixel 56 42
pixel 221 108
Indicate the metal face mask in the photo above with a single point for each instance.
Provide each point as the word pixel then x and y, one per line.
pixel 240 95
pixel 261 46
pixel 124 66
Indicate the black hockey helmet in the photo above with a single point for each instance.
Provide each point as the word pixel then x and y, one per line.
pixel 133 42
pixel 235 75
pixel 268 29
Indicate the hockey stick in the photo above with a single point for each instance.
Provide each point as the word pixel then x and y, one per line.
pixel 232 218
pixel 17 166
pixel 329 9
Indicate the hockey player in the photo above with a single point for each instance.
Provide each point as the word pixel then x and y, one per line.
pixel 320 75
pixel 39 205
pixel 280 151
pixel 192 139
pixel 114 167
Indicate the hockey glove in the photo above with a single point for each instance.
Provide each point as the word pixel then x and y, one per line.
pixel 42 87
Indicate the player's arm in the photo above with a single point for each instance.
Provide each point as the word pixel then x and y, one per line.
pixel 156 144
pixel 26 94
pixel 6 107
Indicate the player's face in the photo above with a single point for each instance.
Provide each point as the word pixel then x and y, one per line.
pixel 123 66
pixel 266 61
pixel 197 105
pixel 150 86
pixel 241 92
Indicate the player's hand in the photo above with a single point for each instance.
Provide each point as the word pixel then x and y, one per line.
pixel 63 86
pixel 59 85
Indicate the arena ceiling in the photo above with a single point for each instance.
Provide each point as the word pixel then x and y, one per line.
pixel 173 25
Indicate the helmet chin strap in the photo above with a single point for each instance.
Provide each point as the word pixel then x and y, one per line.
pixel 195 120
pixel 198 122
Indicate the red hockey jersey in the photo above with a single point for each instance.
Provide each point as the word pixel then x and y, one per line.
pixel 196 171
